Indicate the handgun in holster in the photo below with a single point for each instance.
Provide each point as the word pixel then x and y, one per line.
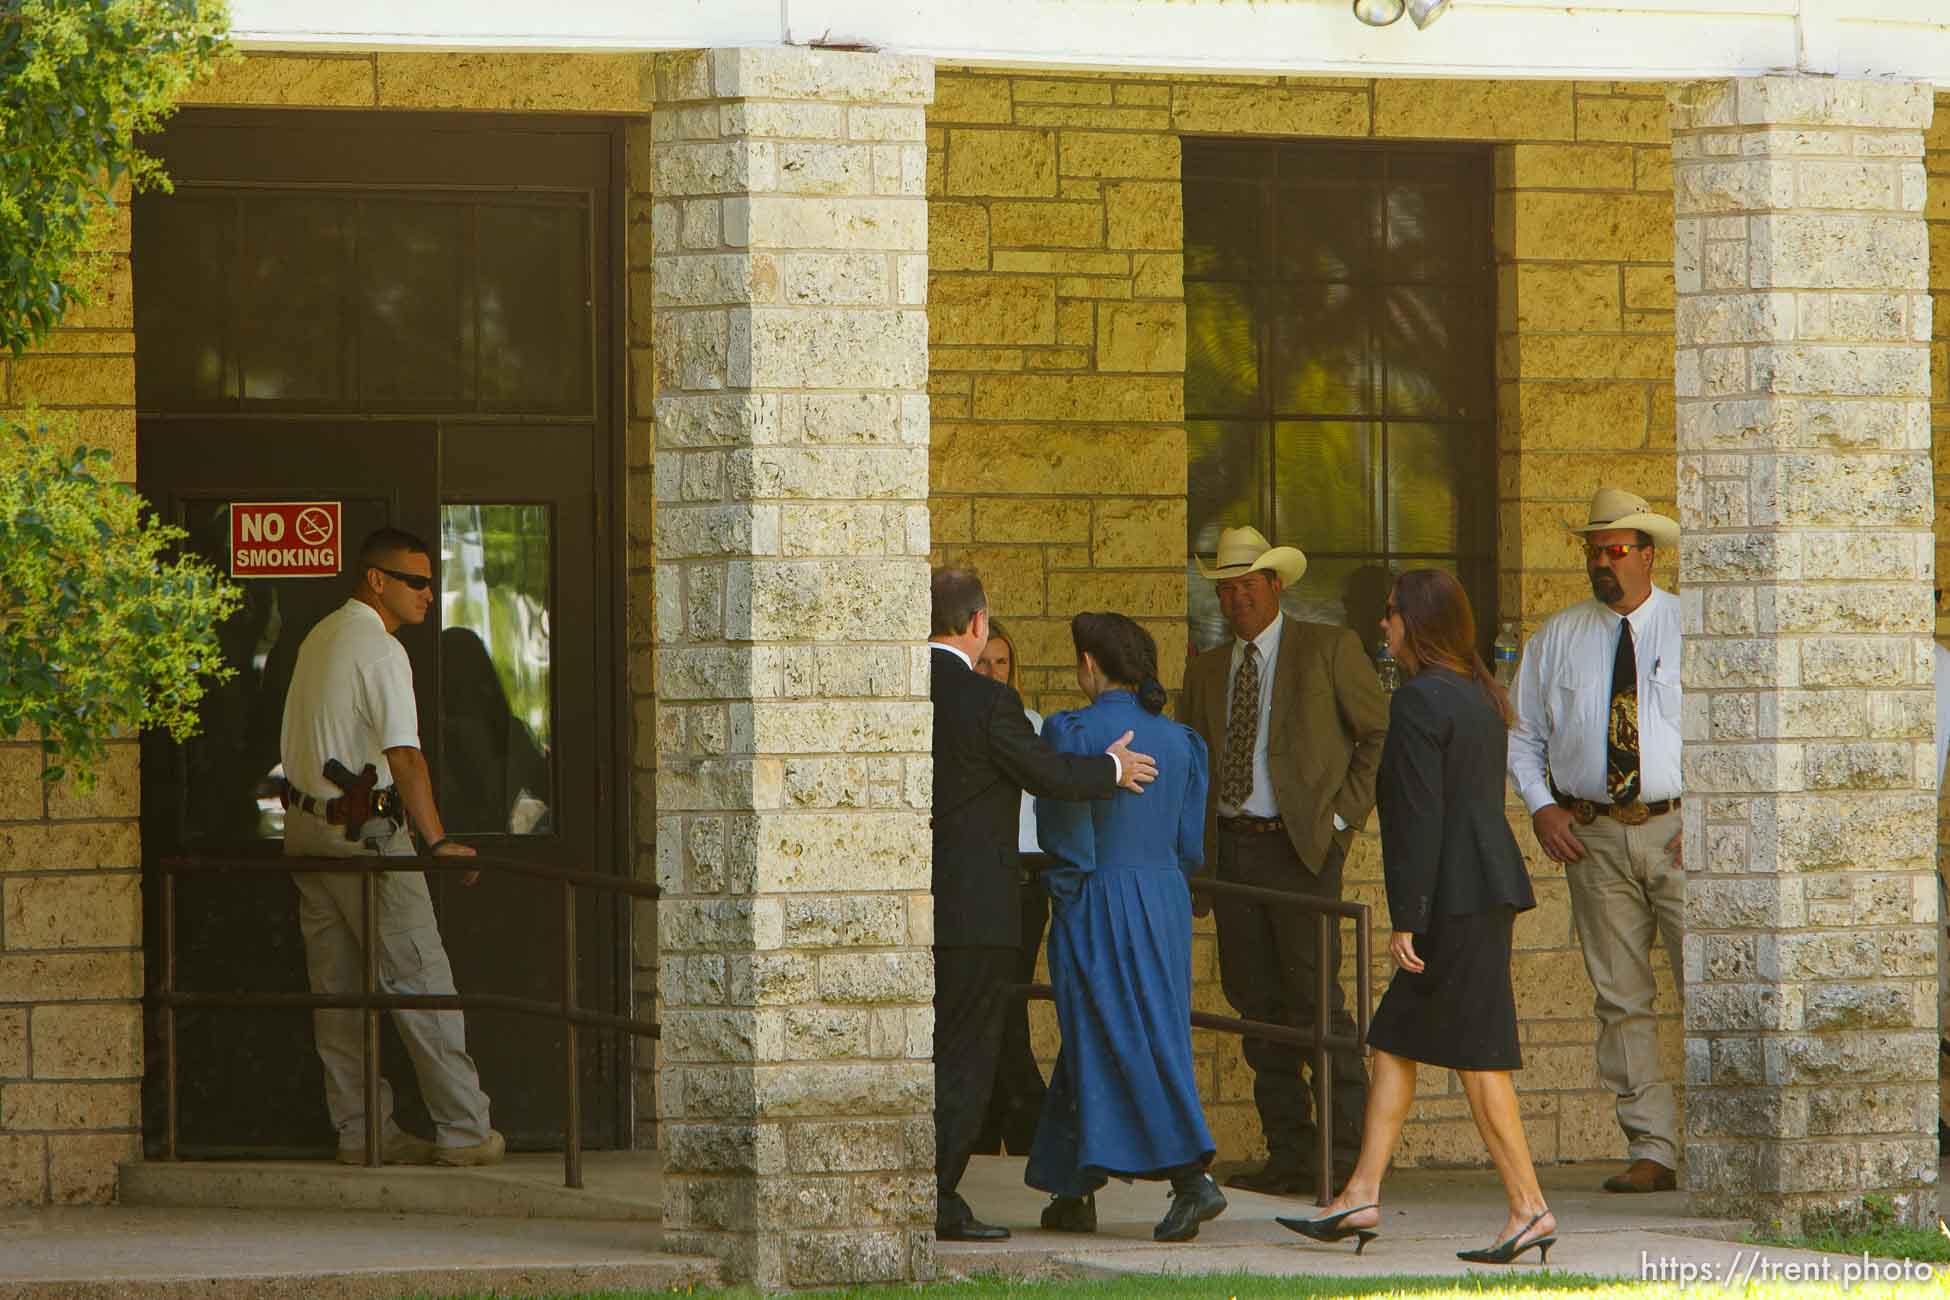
pixel 359 802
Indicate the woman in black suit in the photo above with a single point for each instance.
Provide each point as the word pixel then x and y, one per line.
pixel 1456 882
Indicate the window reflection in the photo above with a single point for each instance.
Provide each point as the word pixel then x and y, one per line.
pixel 496 773
pixel 1337 378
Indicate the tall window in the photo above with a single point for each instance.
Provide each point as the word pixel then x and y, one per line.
pixel 1339 391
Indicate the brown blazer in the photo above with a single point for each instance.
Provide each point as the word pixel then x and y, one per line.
pixel 1329 719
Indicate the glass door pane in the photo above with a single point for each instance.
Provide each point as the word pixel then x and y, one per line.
pixel 496 710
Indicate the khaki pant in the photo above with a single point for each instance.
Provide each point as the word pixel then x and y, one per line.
pixel 411 960
pixel 1626 893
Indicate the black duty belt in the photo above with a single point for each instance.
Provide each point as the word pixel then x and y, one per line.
pixel 1635 813
pixel 385 803
pixel 1252 825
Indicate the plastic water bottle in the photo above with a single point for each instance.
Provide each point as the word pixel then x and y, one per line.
pixel 1505 654
pixel 1387 668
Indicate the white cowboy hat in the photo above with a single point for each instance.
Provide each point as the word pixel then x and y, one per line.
pixel 1616 508
pixel 1244 550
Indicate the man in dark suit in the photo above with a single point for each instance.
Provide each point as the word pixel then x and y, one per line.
pixel 1293 718
pixel 985 756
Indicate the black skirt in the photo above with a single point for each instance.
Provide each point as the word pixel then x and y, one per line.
pixel 1460 1011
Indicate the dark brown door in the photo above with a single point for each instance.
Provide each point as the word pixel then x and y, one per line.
pixel 409 316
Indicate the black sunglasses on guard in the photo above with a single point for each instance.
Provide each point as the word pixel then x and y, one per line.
pixel 417 581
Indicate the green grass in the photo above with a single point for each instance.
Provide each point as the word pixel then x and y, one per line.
pixel 1239 1286
pixel 1874 1233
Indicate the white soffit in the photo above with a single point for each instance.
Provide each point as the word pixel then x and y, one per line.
pixel 1616 39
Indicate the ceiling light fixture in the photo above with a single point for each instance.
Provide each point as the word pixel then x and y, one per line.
pixel 1378 13
pixel 1424 12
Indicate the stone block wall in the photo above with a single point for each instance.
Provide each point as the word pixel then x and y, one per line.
pixel 1804 334
pixel 1056 366
pixel 70 860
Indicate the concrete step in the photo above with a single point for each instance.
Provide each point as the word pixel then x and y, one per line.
pixel 141 1253
pixel 624 1186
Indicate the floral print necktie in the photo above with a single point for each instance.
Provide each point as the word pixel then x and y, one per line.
pixel 1242 733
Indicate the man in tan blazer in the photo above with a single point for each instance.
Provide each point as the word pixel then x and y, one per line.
pixel 1293 718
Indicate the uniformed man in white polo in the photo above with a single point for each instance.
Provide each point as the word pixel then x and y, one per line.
pixel 351 705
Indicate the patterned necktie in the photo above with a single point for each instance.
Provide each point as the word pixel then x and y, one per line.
pixel 1622 732
pixel 1242 733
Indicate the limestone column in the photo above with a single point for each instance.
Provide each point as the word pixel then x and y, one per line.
pixel 1805 491
pixel 793 728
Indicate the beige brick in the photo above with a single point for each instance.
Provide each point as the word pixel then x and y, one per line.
pixel 13 1043
pixel 961 99
pixel 1136 594
pixel 979 309
pixel 1268 110
pixel 87 1041
pixel 1652 169
pixel 1058 359
pixel 562 83
pixel 1062 262
pixel 1590 227
pixel 21 792
pixel 958 237
pixel 1597 416
pixel 69 846
pixel 1012 576
pixel 1474 110
pixel 1031 519
pixel 1076 323
pixel 50 1107
pixel 1141 336
pixel 74 381
pixel 1139 533
pixel 1004 457
pixel 117 791
pixel 1649 288
pixel 23 1169
pixel 1586 356
pixel 1118 155
pixel 53 976
pixel 1027 91
pixel 1564 167
pixel 1003 164
pixel 1637 121
pixel 1158 275
pixel 290 81
pixel 1120 119
pixel 1078 397
pixel 1043 225
pixel 1145 214
pixel 1573 297
pixel 86 911
pixel 85 1169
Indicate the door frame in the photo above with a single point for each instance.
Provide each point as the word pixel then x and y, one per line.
pixel 615 825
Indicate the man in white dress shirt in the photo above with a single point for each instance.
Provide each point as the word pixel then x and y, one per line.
pixel 1595 757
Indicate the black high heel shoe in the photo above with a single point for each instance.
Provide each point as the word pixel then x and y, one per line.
pixel 1332 1228
pixel 1505 1252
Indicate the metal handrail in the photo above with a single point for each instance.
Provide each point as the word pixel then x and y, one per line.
pixel 372 1002
pixel 1316 1035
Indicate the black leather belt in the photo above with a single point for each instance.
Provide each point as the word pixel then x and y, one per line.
pixel 1252 825
pixel 1635 813
pixel 385 803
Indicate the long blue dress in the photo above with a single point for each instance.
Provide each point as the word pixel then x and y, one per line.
pixel 1123 1099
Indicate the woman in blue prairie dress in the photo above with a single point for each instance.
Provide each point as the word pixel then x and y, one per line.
pixel 1123 1100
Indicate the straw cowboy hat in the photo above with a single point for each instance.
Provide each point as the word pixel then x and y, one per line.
pixel 1244 550
pixel 1616 508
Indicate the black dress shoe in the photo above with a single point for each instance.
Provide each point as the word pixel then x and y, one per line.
pixel 1190 1207
pixel 1071 1213
pixel 1273 1180
pixel 969 1229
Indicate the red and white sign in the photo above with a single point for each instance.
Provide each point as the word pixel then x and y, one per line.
pixel 285 539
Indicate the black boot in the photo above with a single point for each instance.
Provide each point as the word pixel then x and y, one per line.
pixel 1195 1198
pixel 1071 1213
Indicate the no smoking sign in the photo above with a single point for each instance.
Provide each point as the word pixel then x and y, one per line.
pixel 285 539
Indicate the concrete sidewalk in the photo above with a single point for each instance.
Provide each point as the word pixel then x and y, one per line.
pixel 304 1241
pixel 1427 1216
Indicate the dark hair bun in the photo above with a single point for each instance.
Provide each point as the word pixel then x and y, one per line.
pixel 1151 694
